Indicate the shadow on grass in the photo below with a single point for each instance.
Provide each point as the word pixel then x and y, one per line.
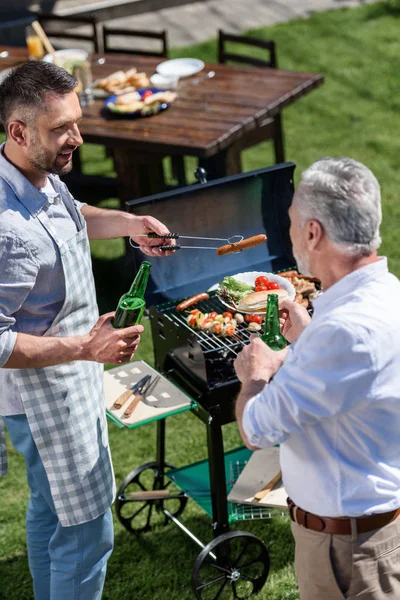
pixel 16 582
pixel 164 558
pixel 380 9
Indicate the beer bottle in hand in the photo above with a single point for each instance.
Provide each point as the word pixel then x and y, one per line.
pixel 131 305
pixel 272 332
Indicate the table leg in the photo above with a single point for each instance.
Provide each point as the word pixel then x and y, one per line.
pixel 139 174
pixel 227 162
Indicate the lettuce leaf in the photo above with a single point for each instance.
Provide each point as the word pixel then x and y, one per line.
pixel 233 291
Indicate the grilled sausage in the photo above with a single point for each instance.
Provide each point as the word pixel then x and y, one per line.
pixel 191 301
pixel 243 245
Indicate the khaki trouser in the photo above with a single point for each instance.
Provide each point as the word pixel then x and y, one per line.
pixel 355 567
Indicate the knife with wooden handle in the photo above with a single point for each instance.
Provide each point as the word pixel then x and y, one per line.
pixel 268 487
pixel 120 401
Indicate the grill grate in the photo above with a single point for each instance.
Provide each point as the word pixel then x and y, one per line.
pixel 209 341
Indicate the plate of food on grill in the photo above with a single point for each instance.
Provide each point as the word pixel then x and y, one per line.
pixel 140 103
pixel 248 292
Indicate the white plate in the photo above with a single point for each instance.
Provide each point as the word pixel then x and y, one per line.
pixel 180 67
pixel 249 277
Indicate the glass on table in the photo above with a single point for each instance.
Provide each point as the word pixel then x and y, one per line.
pixel 33 43
pixel 83 74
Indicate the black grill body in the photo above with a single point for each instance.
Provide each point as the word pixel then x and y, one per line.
pixel 198 362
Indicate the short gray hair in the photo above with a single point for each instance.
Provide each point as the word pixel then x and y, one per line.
pixel 344 196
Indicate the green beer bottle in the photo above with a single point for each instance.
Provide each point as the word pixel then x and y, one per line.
pixel 131 305
pixel 272 332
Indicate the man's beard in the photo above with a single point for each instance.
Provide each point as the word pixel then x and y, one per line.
pixel 303 263
pixel 44 161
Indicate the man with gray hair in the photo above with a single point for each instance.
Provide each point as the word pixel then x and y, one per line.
pixel 333 404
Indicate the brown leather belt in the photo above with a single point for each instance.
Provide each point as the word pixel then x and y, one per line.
pixel 340 526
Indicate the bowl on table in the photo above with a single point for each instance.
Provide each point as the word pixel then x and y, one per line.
pixel 68 58
pixel 164 82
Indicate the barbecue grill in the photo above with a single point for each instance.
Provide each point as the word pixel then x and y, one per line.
pixel 201 364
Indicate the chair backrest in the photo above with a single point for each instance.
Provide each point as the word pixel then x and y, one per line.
pixel 224 55
pixel 246 204
pixel 142 34
pixel 58 27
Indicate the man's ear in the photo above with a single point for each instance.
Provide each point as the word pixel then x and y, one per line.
pixel 315 234
pixel 18 132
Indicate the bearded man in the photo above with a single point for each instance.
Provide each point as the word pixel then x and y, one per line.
pixel 52 341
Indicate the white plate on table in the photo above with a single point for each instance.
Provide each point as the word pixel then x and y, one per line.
pixel 249 277
pixel 180 67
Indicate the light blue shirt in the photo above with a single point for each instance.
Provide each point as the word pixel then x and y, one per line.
pixel 32 287
pixel 334 406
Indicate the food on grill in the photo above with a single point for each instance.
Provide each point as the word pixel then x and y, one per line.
pixel 305 286
pixel 213 322
pixel 257 301
pixel 255 240
pixel 239 318
pixel 253 319
pixel 192 301
pixel 253 327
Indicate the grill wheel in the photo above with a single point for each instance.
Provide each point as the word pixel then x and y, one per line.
pixel 138 516
pixel 233 566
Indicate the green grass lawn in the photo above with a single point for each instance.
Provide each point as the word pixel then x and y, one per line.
pixel 355 113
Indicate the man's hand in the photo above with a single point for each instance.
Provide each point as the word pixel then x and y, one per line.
pixel 258 362
pixel 146 225
pixel 294 319
pixel 105 344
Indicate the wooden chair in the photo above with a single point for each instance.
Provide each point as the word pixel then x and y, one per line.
pixel 177 163
pixel 109 32
pixel 58 27
pixel 271 127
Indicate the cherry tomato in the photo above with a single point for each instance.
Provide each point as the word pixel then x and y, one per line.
pixel 262 288
pixel 146 94
pixel 213 315
pixel 253 319
pixel 262 280
pixel 273 286
pixel 227 314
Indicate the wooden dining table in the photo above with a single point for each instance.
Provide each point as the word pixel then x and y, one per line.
pixel 208 120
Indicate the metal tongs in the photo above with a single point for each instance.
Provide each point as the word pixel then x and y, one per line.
pixel 235 243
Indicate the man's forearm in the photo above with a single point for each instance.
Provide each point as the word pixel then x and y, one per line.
pixel 32 352
pixel 107 224
pixel 248 390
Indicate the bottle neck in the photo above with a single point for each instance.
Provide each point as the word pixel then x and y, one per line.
pixel 272 324
pixel 139 284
